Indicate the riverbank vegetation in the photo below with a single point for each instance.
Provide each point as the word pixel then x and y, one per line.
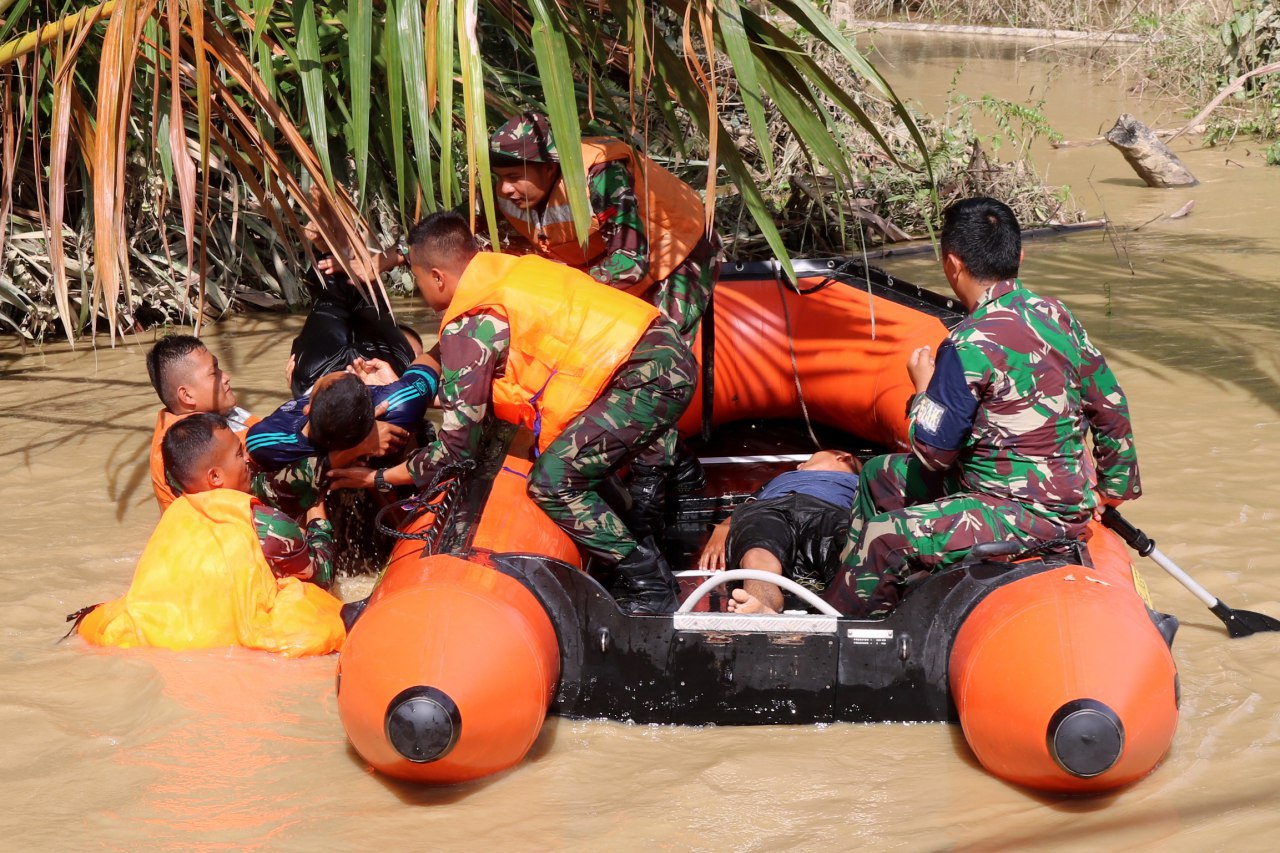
pixel 178 148
pixel 1188 50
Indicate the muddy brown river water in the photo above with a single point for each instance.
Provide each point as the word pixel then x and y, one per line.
pixel 144 749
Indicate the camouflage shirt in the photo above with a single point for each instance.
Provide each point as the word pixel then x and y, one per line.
pixel 291 551
pixel 613 199
pixel 1015 386
pixel 473 350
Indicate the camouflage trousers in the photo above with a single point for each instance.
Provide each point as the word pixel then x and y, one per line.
pixel 640 405
pixel 682 296
pixel 908 519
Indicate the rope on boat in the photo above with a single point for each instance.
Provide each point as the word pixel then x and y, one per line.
pixel 437 498
pixel 1065 543
pixel 791 348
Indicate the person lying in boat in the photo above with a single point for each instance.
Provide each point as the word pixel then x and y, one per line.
pixel 222 568
pixel 794 526
pixel 647 234
pixel 596 373
pixel 997 427
pixel 367 412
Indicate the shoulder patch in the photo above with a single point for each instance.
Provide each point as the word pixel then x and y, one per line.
pixel 929 414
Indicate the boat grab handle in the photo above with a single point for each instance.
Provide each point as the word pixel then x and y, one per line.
pixel 718 579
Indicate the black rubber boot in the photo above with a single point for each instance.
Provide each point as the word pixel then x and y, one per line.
pixel 648 489
pixel 653 589
pixel 687 475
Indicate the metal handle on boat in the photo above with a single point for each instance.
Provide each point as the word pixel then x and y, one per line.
pixel 718 579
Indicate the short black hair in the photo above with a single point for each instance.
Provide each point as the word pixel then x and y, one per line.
pixel 984 234
pixel 445 240
pixel 162 361
pixel 341 414
pixel 186 445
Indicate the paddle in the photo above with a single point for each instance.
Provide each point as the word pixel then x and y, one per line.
pixel 1240 623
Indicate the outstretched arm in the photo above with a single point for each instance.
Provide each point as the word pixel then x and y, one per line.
pixel 626 254
pixel 292 551
pixel 712 558
pixel 473 350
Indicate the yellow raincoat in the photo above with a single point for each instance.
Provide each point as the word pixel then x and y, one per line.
pixel 203 582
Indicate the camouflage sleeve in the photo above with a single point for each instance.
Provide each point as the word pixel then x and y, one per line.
pixel 293 489
pixel 1107 412
pixel 613 198
pixel 473 350
pixel 940 421
pixel 291 552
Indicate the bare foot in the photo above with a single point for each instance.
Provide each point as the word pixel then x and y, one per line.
pixel 744 602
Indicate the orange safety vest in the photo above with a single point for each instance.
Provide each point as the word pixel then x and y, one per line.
pixel 203 582
pixel 673 215
pixel 569 334
pixel 159 482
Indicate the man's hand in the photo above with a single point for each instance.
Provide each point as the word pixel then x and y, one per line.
pixel 288 370
pixel 920 366
pixel 355 477
pixel 317 511
pixel 367 272
pixel 713 554
pixel 384 439
pixel 373 371
pixel 1103 503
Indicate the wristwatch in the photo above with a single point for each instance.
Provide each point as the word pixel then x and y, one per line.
pixel 380 481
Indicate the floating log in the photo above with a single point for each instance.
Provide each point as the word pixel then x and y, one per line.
pixel 1006 32
pixel 1166 134
pixel 1149 157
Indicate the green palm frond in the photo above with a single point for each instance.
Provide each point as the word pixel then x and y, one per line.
pixel 278 114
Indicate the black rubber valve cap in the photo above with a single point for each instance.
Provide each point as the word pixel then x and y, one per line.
pixel 423 724
pixel 1086 738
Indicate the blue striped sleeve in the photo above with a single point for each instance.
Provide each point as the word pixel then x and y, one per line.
pixel 407 400
pixel 277 440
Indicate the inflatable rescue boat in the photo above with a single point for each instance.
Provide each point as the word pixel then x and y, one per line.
pixel 484 621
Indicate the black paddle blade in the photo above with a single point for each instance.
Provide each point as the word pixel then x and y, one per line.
pixel 1242 623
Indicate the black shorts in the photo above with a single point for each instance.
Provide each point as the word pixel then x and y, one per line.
pixel 805 533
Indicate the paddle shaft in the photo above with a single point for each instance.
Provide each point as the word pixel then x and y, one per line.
pixel 1146 547
pixel 1240 623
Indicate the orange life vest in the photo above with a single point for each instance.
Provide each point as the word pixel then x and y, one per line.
pixel 673 215
pixel 569 334
pixel 165 419
pixel 203 582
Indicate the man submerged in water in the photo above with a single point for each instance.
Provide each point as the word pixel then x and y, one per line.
pixel 222 568
pixel 794 526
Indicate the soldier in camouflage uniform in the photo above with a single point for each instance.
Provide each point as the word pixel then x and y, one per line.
pixel 487 346
pixel 625 255
pixel 997 428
